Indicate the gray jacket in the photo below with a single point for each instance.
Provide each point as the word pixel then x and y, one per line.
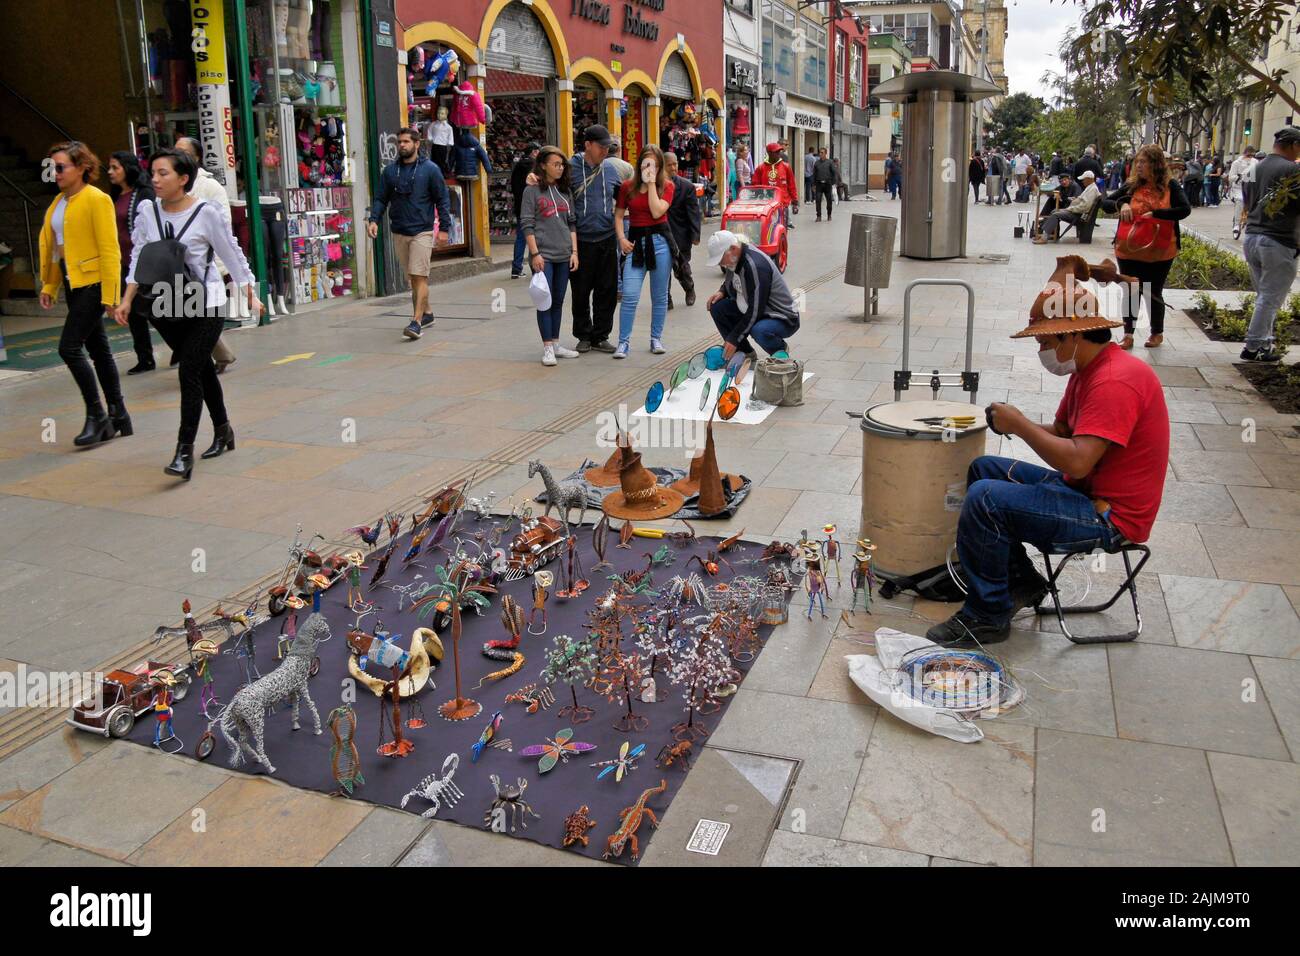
pixel 547 215
pixel 594 191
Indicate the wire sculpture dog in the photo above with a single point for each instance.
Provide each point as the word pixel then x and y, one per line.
pixel 244 718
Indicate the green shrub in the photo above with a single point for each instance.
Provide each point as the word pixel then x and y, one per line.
pixel 1247 306
pixel 1201 265
pixel 1204 303
pixel 1232 328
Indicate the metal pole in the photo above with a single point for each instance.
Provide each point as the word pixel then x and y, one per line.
pixel 248 147
pixel 984 57
pixel 372 134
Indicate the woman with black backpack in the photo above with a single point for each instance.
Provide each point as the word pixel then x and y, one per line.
pixel 174 242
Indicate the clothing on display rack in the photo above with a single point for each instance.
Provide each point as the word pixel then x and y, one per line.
pixel 468 110
pixel 470 155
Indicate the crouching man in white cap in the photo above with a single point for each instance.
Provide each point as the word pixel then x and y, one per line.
pixel 754 301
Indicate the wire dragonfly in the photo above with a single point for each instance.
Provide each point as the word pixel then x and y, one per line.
pixel 559 748
pixel 625 761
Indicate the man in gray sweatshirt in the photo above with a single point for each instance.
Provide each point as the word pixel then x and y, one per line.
pixel 1272 244
pixel 594 286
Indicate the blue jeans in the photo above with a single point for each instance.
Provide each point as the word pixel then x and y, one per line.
pixel 1008 502
pixel 521 246
pixel 633 275
pixel 768 333
pixel 548 321
pixel 1272 270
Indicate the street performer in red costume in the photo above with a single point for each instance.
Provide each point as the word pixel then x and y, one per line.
pixel 774 171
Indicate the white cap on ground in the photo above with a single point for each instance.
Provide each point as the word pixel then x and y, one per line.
pixel 719 243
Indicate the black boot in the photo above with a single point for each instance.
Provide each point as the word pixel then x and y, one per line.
pixel 120 418
pixel 223 440
pixel 98 428
pixel 183 464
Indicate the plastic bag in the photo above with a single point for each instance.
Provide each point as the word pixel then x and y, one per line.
pixel 876 676
pixel 540 291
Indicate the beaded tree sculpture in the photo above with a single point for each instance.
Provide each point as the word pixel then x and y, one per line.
pixel 652 632
pixel 700 666
pixel 620 678
pixel 571 662
pixel 455 587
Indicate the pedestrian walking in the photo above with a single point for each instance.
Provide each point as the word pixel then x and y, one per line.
pixel 809 161
pixel 1194 181
pixel 824 183
pixel 1241 181
pixel 80 253
pixel 594 187
pixel 1270 244
pixel 524 165
pixel 209 190
pixel 1150 205
pixel 975 173
pixel 129 188
pixel 413 191
pixel 684 228
pixel 744 167
pixel 550 228
pixel 641 224
pixel 188 312
pixel 1213 173
pixel 893 175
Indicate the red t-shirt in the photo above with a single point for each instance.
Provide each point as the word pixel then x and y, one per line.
pixel 1117 397
pixel 637 203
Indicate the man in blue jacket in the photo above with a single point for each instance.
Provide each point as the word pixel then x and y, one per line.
pixel 754 301
pixel 593 289
pixel 412 189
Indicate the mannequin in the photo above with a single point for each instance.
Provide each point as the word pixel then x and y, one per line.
pixel 469 155
pixel 273 234
pixel 441 140
pixel 468 111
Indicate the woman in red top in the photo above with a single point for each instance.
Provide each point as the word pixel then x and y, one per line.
pixel 641 224
pixel 129 188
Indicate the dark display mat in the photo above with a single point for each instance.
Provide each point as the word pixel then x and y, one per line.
pixel 689 510
pixel 303 759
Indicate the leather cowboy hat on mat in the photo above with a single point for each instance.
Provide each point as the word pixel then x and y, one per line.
pixel 639 495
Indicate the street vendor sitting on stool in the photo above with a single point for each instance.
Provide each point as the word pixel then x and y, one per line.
pixel 1108 444
pixel 754 300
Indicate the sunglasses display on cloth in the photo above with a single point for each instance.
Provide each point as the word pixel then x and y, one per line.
pixel 712 359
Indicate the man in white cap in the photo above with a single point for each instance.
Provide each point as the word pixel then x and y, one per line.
pixel 1075 212
pixel 754 301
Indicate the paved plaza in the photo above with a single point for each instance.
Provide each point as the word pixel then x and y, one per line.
pixel 1182 744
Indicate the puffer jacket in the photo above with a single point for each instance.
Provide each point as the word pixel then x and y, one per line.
pixel 468 109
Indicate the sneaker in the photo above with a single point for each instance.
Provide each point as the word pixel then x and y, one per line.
pixel 623 349
pixel 562 352
pixel 426 320
pixel 1236 230
pixel 1269 354
pixel 413 330
pixel 516 275
pixel 961 630
pixel 657 347
pixel 548 355
pixel 604 345
pixel 584 345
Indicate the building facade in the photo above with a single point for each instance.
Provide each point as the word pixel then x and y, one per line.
pixel 848 91
pixel 651 71
pixel 745 105
pixel 796 60
pixel 887 57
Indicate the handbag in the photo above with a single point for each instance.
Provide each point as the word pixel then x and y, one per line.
pixel 779 381
pixel 1145 240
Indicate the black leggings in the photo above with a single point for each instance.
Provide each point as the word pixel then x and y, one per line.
pixel 138 322
pixel 274 236
pixel 193 340
pixel 975 184
pixel 83 331
pixel 1152 288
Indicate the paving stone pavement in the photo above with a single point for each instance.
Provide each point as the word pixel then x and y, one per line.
pixel 1183 745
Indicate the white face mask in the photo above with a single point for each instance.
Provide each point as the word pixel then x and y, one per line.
pixel 1054 365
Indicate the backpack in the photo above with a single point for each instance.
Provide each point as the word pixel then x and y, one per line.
pixel 163 260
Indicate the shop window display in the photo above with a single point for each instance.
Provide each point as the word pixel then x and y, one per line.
pixel 588 108
pixel 687 130
pixel 306 175
pixel 445 114
pixel 520 116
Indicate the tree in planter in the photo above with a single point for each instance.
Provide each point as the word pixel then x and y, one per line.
pixel 571 662
pixel 1156 43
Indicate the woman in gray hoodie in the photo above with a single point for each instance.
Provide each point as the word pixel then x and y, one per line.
pixel 550 229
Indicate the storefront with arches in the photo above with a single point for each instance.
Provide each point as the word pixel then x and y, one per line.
pixel 643 75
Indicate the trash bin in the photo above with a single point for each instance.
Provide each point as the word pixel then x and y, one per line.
pixel 994 191
pixel 914 481
pixel 870 257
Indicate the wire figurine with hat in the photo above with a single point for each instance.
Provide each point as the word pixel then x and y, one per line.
pixel 862 577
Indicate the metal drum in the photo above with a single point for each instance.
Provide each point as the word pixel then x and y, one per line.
pixel 914 481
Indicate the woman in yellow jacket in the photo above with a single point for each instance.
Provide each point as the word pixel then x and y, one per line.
pixel 79 251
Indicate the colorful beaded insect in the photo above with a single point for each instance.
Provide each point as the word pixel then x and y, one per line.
pixel 557 749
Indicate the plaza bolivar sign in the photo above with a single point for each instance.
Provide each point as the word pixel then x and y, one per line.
pixel 633 23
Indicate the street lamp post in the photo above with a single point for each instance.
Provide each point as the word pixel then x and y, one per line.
pixel 984 58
